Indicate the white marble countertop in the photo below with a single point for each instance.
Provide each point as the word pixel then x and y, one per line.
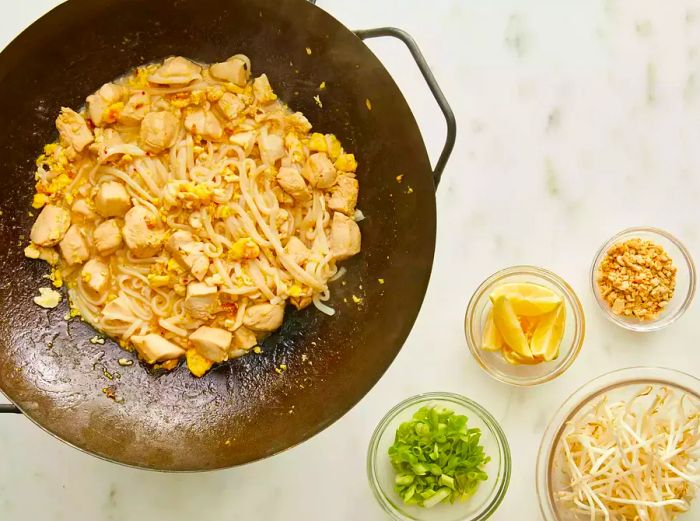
pixel 575 119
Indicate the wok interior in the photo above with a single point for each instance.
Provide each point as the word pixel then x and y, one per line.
pixel 243 410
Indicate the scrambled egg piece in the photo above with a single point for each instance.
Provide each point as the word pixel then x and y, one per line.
pixel 197 364
pixel 245 248
pixel 48 298
pixel 346 163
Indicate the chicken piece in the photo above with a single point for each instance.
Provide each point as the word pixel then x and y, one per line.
pixel 142 232
pixel 197 364
pixel 73 129
pixel 264 317
pixel 211 342
pixel 204 123
pixel 158 131
pixel 243 139
pixel 236 70
pixel 118 310
pixel 112 199
pixel 107 237
pixel 135 109
pixel 262 90
pixel 243 338
pixel 271 148
pixel 51 225
pixel 74 246
pixel 176 71
pixel 230 105
pixel 99 102
pixel 201 300
pixel 297 250
pixel 188 253
pixel 319 171
pixel 82 211
pixel 293 183
pixel 154 348
pixel 344 195
pixel 95 274
pixel 345 237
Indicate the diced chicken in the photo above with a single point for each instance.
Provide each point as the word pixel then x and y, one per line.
pixel 211 342
pixel 204 123
pixel 201 300
pixel 135 109
pixel 74 246
pixel 271 148
pixel 81 210
pixel 297 250
pixel 51 225
pixel 230 105
pixel 118 310
pixel 262 90
pixel 108 143
pixel 236 70
pixel 112 199
pixel 142 232
pixel 264 317
pixel 344 195
pixel 73 129
pixel 154 348
pixel 158 131
pixel 243 338
pixel 243 139
pixel 319 171
pixel 293 183
pixel 99 103
pixel 188 253
pixel 95 275
pixel 345 236
pixel 176 71
pixel 107 237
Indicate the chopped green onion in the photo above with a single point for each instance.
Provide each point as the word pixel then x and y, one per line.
pixel 437 458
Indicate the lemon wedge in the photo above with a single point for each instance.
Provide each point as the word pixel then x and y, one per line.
pixel 548 334
pixel 491 339
pixel 514 358
pixel 508 325
pixel 528 299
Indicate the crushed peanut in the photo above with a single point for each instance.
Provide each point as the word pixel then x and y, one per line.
pixel 637 279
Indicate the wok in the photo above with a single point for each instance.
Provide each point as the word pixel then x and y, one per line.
pixel 243 410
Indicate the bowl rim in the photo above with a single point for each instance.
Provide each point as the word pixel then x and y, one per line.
pixel 502 484
pixel 656 324
pixel 565 288
pixel 582 396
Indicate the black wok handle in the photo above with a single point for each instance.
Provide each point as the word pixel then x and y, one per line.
pixel 432 84
pixel 9 408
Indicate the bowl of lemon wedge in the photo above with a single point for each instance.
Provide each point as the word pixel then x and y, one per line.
pixel 524 325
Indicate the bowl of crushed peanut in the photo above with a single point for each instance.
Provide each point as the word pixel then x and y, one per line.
pixel 643 278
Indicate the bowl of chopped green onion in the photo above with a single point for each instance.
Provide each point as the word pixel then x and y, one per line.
pixel 439 457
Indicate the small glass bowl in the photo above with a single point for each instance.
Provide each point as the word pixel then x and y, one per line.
pixel 620 384
pixel 685 278
pixel 488 496
pixel 493 362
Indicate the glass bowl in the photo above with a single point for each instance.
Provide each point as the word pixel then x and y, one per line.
pixel 685 278
pixel 620 384
pixel 488 496
pixel 493 362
